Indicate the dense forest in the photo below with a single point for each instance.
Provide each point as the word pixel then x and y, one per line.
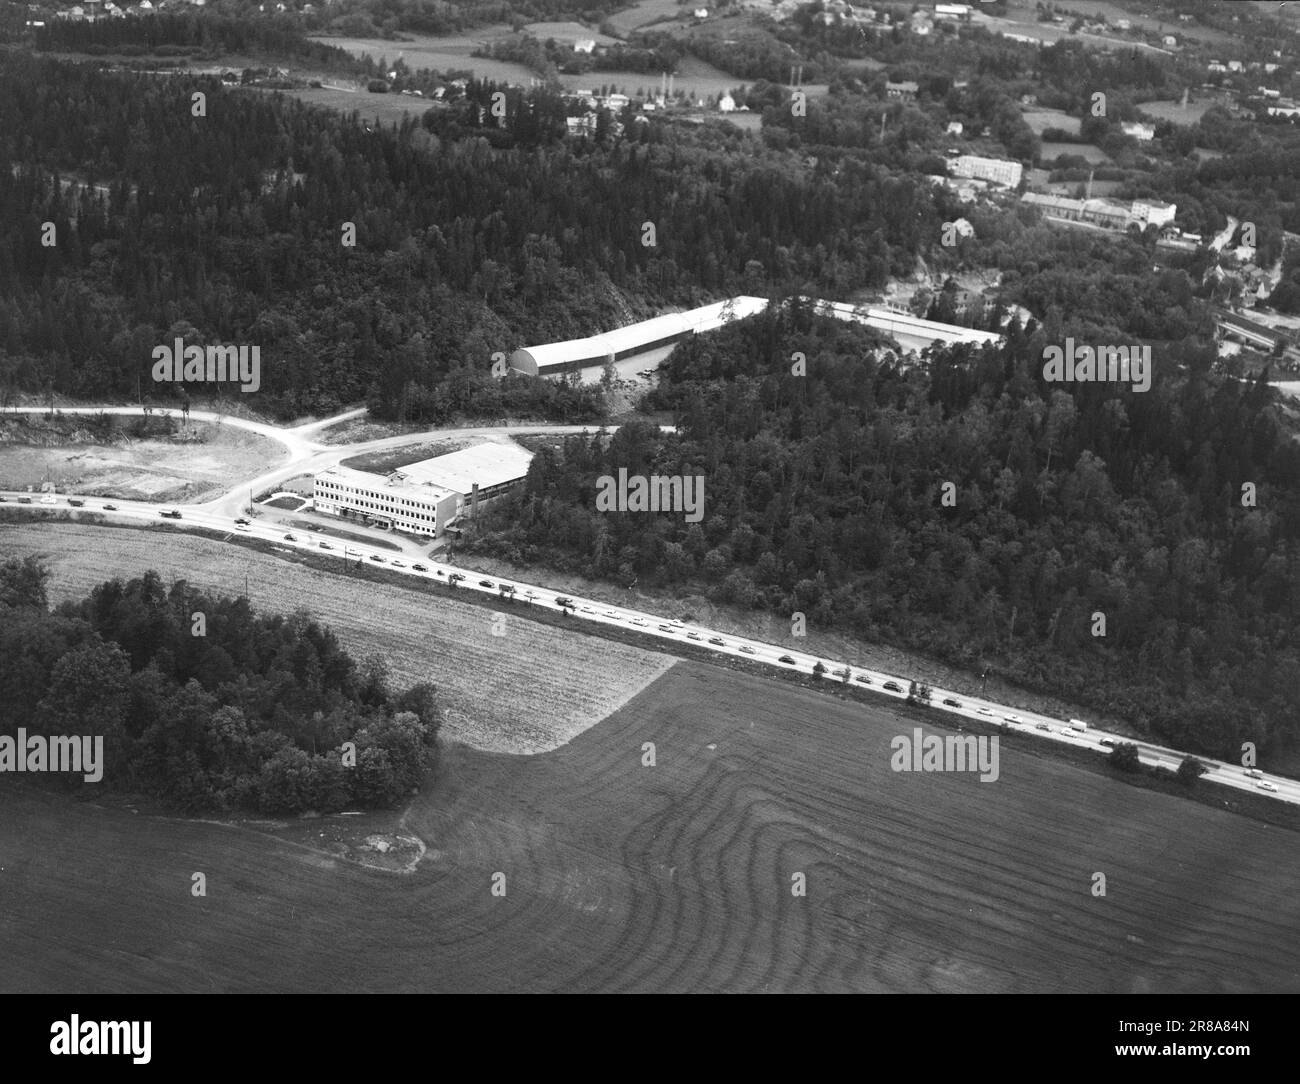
pixel 240 711
pixel 823 495
pixel 229 228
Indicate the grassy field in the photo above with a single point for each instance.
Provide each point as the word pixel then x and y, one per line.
pixel 528 690
pixel 1042 119
pixel 676 877
pixel 1178 113
pixel 442 53
pixel 645 12
pixel 382 108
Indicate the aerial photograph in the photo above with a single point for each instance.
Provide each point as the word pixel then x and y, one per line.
pixel 578 497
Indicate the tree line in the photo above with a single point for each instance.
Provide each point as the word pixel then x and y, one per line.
pixel 824 495
pixel 206 705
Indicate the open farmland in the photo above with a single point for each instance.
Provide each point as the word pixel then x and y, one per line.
pixel 531 689
pixel 676 877
pixel 1041 119
pixel 442 53
pixel 645 12
pixel 382 108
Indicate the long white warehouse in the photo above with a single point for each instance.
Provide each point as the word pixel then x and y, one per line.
pixel 551 358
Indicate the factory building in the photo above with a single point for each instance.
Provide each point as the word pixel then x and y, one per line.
pixel 550 359
pixel 998 170
pixel 423 497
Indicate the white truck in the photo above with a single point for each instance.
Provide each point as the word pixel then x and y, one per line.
pixel 1079 725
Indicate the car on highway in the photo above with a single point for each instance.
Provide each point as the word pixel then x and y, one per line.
pixel 842 672
pixel 746 649
pixel 587 610
pixel 692 636
pixel 110 508
pixel 399 564
pixel 326 546
pixel 717 641
pixel 1108 743
pixel 419 568
pixel 676 624
pixel 609 613
pixel 291 538
pixel 171 513
pixel 76 502
pixel 530 595
pixel 863 678
pixel 1041 726
pixel 564 600
pixel 949 702
pixel 49 498
pixel 1013 718
pixel 666 628
pixel 241 526
pixel 376 557
pixel 1267 786
pixel 984 711
pixel 787 660
pixel 640 621
pixel 24 500
pixel 241 522
pixel 486 583
pixel 3 500
pixel 1254 773
pixel 893 687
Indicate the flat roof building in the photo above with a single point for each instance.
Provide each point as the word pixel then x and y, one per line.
pixel 998 170
pixel 550 359
pixel 423 497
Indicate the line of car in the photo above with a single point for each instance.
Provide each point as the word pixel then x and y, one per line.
pixel 671 627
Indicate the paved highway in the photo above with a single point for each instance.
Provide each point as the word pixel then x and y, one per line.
pixel 656 626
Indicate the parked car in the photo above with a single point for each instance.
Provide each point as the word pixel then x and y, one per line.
pixel 787 660
pixel 893 687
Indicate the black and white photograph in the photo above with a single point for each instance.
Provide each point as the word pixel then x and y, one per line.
pixel 648 497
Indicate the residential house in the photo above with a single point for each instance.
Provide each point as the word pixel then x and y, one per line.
pixel 905 90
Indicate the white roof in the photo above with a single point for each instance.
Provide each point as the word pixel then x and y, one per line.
pixel 621 340
pixel 392 484
pixel 489 464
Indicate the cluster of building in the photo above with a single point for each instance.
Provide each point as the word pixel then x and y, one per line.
pixel 1002 171
pixel 1107 213
pixel 424 497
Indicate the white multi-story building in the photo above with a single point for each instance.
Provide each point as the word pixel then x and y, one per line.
pixel 424 497
pixel 998 170
pixel 1153 212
